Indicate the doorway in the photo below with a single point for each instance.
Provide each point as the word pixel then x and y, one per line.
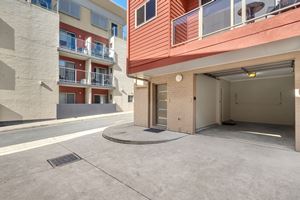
pixel 161 105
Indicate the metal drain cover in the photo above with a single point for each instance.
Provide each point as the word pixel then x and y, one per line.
pixel 63 160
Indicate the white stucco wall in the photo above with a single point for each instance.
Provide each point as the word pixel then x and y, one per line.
pixel 28 61
pixel 124 86
pixel 264 101
pixel 206 101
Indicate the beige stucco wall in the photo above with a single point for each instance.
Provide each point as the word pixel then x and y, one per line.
pixel 141 104
pixel 85 23
pixel 124 86
pixel 28 61
pixel 263 101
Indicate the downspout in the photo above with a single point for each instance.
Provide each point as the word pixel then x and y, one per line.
pixel 127 62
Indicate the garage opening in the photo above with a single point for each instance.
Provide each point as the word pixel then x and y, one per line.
pixel 253 103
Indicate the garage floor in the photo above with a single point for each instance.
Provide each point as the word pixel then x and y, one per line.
pixel 278 136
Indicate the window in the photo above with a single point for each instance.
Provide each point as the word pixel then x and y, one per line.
pixel 99 21
pixel 146 12
pixel 130 98
pixel 98 49
pixel 114 29
pixel 67 40
pixel 70 8
pixel 66 98
pixel 100 99
pixel 67 71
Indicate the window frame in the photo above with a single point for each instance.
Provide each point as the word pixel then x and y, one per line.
pixel 145 14
pixel 132 98
pixel 97 26
pixel 100 95
pixel 66 98
pixel 117 26
pixel 69 14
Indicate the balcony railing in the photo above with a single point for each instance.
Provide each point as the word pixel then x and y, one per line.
pixel 221 15
pixel 71 75
pixel 84 47
pixel 82 77
pixel 46 4
pixel 99 79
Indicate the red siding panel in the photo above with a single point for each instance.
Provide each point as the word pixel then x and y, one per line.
pixel 151 38
pixel 279 27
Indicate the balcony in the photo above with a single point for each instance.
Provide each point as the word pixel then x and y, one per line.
pixel 223 15
pixel 46 4
pixel 83 49
pixel 102 80
pixel 82 78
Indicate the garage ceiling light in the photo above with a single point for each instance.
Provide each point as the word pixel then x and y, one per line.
pixel 251 74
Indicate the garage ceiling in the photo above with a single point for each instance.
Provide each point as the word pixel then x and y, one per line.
pixel 284 68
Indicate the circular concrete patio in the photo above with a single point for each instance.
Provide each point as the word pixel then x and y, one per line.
pixel 130 134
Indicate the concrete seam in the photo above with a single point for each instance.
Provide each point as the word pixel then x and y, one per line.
pixel 105 172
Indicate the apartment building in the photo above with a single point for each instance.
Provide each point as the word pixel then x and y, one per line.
pixel 62 58
pixel 205 62
pixel 92 58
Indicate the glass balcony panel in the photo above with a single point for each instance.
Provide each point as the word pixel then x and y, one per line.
pixel 46 4
pixel 67 75
pixel 186 27
pixel 256 9
pixel 216 16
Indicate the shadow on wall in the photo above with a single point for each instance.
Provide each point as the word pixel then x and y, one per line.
pixel 117 86
pixel 8 78
pixel 7 36
pixel 8 115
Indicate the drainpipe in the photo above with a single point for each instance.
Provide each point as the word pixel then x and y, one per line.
pixel 149 92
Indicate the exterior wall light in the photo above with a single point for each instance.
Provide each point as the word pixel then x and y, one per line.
pixel 251 74
pixel 179 78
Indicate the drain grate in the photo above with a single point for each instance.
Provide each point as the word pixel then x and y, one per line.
pixel 63 160
pixel 154 130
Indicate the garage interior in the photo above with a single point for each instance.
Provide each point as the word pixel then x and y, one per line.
pixel 251 103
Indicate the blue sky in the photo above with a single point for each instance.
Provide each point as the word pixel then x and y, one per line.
pixel 121 2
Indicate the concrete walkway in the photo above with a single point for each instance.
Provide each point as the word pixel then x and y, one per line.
pixel 57 121
pixel 130 134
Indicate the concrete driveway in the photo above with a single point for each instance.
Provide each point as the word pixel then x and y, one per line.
pixel 194 167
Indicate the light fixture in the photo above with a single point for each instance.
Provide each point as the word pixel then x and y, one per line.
pixel 251 74
pixel 179 77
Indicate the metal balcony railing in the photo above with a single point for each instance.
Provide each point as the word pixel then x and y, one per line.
pixel 76 76
pixel 221 15
pixel 100 51
pixel 71 75
pixel 46 4
pixel 96 50
pixel 99 79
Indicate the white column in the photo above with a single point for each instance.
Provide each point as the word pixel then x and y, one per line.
pixel 297 102
pixel 88 95
pixel 88 71
pixel 88 91
pixel 88 44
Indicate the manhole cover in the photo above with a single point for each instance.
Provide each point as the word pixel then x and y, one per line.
pixel 154 130
pixel 63 160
